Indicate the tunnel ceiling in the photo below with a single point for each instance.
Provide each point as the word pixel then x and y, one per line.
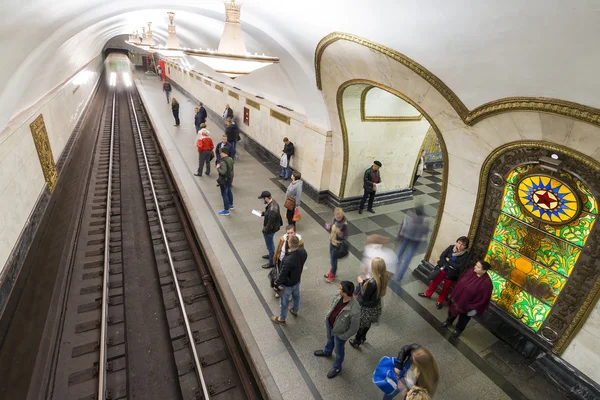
pixel 483 50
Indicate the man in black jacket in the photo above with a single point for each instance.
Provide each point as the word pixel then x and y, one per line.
pixel 289 279
pixel 228 113
pixel 288 150
pixel 371 179
pixel 233 132
pixel 200 117
pixel 271 224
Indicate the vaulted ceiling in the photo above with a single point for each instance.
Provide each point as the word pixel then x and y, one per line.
pixel 483 50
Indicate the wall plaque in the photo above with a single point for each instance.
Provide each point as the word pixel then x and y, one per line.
pixel 219 88
pixel 253 104
pixel 234 95
pixel 42 145
pixel 207 82
pixel 283 118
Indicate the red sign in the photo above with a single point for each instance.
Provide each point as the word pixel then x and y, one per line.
pixel 246 116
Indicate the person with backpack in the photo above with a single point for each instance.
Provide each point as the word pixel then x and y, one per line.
pixel 225 180
pixel 167 90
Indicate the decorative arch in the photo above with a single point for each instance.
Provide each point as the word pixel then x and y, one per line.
pixel 370 118
pixel 539 104
pixel 580 291
pixel 340 107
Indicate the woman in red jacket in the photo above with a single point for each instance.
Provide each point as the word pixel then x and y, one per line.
pixel 470 297
pixel 205 148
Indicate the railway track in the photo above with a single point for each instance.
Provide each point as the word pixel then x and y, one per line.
pixel 143 318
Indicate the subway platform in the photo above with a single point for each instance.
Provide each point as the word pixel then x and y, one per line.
pixel 476 366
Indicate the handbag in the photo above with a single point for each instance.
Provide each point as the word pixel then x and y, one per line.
pixel 283 162
pixel 212 155
pixel 384 376
pixel 341 250
pixel 290 203
pixel 297 217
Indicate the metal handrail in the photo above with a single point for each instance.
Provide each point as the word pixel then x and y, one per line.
pixel 106 267
pixel 197 365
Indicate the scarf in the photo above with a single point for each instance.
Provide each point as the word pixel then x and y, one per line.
pixel 456 253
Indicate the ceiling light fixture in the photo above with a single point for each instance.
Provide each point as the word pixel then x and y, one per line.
pixel 147 39
pixel 231 58
pixel 172 48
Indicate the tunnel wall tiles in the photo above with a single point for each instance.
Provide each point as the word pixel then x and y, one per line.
pixel 309 140
pixel 468 147
pixel 21 176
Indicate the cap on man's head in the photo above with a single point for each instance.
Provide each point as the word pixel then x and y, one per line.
pixel 378 163
pixel 264 194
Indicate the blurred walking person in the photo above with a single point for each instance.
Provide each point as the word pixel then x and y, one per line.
pixel 175 109
pixel 420 169
pixel 470 297
pixel 448 269
pixel 205 150
pixel 342 322
pixel 374 248
pixel 370 293
pixel 338 233
pixel 413 231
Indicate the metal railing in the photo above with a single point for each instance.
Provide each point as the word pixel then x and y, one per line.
pixel 184 316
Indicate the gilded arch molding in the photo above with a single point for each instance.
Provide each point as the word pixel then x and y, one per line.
pixel 565 108
pixel 370 118
pixel 340 107
pixel 582 291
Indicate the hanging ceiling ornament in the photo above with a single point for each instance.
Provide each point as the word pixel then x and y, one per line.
pixel 172 48
pixel 147 40
pixel 232 59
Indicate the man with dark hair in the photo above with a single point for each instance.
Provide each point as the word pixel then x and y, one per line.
pixel 288 150
pixel 203 113
pixel 371 179
pixel 232 131
pixel 222 143
pixel 450 265
pixel 225 180
pixel 470 297
pixel 342 322
pixel 271 224
pixel 289 280
pixel 167 90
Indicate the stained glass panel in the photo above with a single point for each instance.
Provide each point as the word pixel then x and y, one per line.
pixel 510 206
pixel 548 199
pixel 575 232
pixel 515 175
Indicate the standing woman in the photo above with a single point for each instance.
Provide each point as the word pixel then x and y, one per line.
pixel 294 191
pixel 338 232
pixel 175 108
pixel 369 297
pixel 420 369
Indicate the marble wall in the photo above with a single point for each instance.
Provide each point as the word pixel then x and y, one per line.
pixel 21 177
pixel 395 144
pixel 468 147
pixel 310 141
pixel 378 102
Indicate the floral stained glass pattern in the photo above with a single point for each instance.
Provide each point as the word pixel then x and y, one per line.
pixel 589 201
pixel 528 275
pixel 548 251
pixel 548 199
pixel 511 207
pixel 575 232
pixel 515 175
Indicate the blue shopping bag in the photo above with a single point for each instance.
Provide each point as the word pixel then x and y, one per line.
pixel 385 377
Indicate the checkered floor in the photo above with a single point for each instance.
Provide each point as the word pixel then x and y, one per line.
pixel 387 220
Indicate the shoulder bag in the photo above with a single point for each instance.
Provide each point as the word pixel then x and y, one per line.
pixel 290 203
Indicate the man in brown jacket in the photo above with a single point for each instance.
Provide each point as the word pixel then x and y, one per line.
pixel 280 252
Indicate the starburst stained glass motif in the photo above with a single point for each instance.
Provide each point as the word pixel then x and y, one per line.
pixel 547 199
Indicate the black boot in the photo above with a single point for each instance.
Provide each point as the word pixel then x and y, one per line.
pixel 360 337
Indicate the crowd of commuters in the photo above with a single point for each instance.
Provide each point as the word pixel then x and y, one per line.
pixel 354 308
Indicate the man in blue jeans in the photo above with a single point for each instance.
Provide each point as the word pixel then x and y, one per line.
pixel 225 179
pixel 342 322
pixel 271 224
pixel 289 279
pixel 413 231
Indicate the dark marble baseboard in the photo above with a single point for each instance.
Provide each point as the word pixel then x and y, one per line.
pixel 533 348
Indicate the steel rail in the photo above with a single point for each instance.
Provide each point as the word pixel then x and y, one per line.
pixel 106 268
pixel 197 364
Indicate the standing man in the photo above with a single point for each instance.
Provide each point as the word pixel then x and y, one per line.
pixel 225 180
pixel 205 148
pixel 159 71
pixel 371 179
pixel 342 322
pixel 289 279
pixel 419 171
pixel 470 297
pixel 222 144
pixel 203 113
pixel 228 113
pixel 167 90
pixel 197 121
pixel 271 224
pixel 288 150
pixel 232 132
pixel 280 252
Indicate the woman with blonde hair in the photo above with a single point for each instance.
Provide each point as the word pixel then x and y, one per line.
pixel 175 109
pixel 416 367
pixel 370 292
pixel 338 233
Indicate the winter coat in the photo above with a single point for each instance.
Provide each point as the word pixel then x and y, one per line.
pixel 272 222
pixel 218 150
pixel 283 246
pixel 338 231
pixel 368 297
pixel 472 292
pixel 232 132
pixel 455 265
pixel 369 179
pixel 225 171
pixel 175 108
pixel 288 149
pixel 405 354
pixel 414 227
pixel 294 191
pixel 205 143
pixel 292 267
pixel 203 115
pixel 348 320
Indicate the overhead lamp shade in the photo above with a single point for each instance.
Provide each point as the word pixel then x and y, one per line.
pixel 232 65
pixel 172 48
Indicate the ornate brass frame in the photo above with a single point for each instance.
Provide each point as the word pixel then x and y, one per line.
pixel 366 118
pixel 565 108
pixel 279 116
pixel 44 150
pixel 340 107
pixel 571 310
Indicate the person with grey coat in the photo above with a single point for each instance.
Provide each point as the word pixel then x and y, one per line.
pixel 413 231
pixel 342 322
pixel 294 191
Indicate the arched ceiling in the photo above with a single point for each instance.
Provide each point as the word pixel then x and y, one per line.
pixel 482 50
